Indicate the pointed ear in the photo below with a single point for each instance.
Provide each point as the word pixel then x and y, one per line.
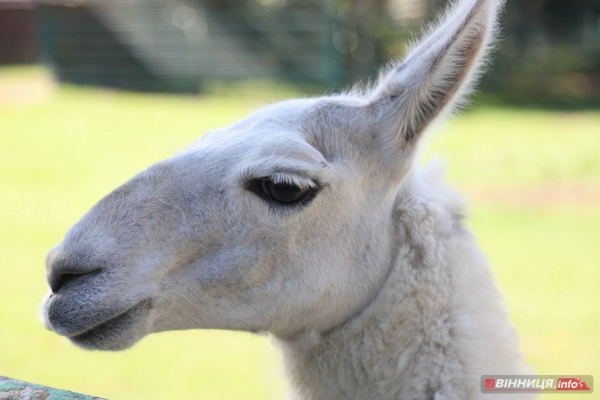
pixel 437 73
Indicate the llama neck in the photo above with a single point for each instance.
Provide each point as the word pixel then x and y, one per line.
pixel 434 328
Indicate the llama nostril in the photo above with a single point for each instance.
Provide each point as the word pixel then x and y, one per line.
pixel 60 279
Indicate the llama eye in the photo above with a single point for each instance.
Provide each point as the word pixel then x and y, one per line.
pixel 284 192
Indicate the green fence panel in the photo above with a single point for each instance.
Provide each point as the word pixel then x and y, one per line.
pixel 11 389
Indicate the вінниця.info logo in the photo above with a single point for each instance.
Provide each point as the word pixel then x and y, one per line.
pixel 537 383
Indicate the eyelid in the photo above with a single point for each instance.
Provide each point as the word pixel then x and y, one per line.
pixel 292 179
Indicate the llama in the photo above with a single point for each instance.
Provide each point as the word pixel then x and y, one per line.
pixel 307 220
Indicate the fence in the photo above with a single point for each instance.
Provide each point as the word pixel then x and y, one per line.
pixel 549 47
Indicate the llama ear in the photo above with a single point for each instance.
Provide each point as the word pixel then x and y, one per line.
pixel 437 73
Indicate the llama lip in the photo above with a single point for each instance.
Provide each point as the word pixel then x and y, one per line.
pixel 99 336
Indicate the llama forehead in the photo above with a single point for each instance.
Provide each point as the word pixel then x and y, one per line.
pixel 324 138
pixel 278 138
pixel 254 153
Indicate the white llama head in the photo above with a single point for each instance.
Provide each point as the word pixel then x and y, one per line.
pixel 280 222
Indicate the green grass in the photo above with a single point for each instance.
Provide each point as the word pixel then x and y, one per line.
pixel 64 149
pixel 547 264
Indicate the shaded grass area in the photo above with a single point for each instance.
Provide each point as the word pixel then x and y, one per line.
pixel 63 148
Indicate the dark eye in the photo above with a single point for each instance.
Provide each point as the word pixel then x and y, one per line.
pixel 283 192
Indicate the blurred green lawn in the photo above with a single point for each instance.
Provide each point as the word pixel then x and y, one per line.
pixel 532 176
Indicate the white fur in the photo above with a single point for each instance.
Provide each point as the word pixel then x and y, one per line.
pixel 372 290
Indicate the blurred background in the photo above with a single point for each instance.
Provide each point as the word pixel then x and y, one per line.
pixel 92 92
pixel 550 49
